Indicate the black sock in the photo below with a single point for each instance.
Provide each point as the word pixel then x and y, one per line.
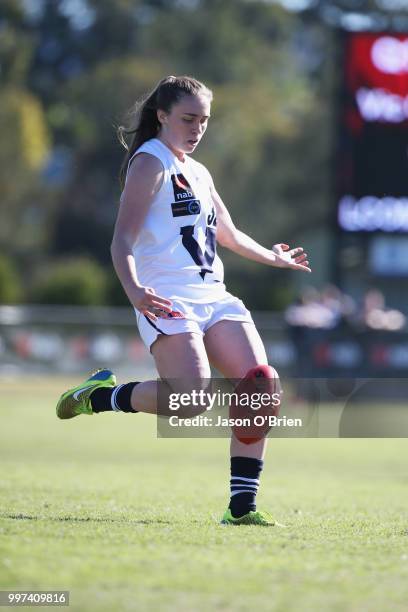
pixel 113 398
pixel 245 472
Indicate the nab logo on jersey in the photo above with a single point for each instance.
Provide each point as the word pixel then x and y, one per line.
pixel 181 188
pixel 185 200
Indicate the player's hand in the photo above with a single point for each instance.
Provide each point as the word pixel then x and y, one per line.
pixel 148 303
pixel 290 258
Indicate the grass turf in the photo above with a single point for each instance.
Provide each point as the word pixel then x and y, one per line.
pixel 125 521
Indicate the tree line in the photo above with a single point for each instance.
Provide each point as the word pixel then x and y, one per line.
pixel 71 69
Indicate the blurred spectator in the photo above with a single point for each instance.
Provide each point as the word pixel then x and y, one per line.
pixel 331 307
pixel 320 311
pixel 375 315
pixel 340 304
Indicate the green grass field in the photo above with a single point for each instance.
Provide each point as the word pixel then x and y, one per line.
pixel 125 521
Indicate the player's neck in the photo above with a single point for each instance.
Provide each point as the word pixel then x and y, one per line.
pixel 179 154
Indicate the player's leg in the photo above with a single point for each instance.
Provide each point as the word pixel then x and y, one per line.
pixel 177 347
pixel 180 358
pixel 235 348
pixel 181 361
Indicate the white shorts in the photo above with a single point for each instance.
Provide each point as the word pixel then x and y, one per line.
pixel 192 317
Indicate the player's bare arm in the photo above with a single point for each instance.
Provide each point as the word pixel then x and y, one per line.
pixel 143 182
pixel 230 237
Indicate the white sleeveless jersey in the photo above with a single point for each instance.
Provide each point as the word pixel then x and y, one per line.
pixel 175 251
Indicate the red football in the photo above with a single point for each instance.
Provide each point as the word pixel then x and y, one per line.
pixel 255 399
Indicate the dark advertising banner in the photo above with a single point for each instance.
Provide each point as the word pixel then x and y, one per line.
pixel 372 174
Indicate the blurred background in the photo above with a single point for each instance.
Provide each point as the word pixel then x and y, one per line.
pixel 308 144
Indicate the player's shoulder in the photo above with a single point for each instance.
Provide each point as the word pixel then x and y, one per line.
pixel 144 172
pixel 145 163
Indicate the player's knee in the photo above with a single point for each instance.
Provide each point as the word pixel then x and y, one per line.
pixel 189 398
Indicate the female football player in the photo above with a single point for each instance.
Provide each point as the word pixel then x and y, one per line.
pixel 164 252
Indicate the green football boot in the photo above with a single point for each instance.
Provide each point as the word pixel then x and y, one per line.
pixel 77 400
pixel 252 518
